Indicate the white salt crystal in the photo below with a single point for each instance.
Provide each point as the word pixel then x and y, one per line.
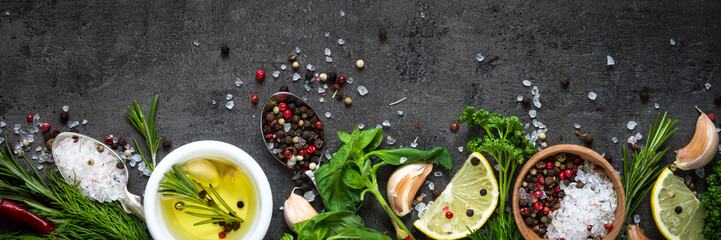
pixel 31 138
pixel 535 123
pixel 17 128
pixel 305 98
pixel 361 126
pixel 532 113
pixel 297 50
pixel 309 195
pixel 327 114
pixel 379 126
pixel 437 174
pixel 610 61
pixel 276 73
pixel 342 13
pixel 325 86
pixel 280 208
pixel 536 102
pixel 638 136
pixel 228 96
pixel 132 163
pixel 614 139
pixel 631 140
pixel 85 121
pixel 460 149
pixel 421 208
pixel 3 124
pixel 655 105
pixel 400 113
pixel 321 99
pixel 349 80
pixel 38 149
pixel 534 91
pixel 414 145
pixel 73 124
pixel 321 90
pixel 40 167
pixel 141 166
pixel 362 90
pixel 592 95
pixel 341 42
pixel 480 57
pixel 386 123
pixel 328 59
pixel 310 67
pixel 296 76
pixel 527 83
pixel 707 85
pixel 631 125
pixel 687 179
pixel 213 102
pixel 283 67
pixel 328 155
pixel 327 34
pixel 519 98
pixel 229 105
pixel 34 129
pixel 673 43
pixel 700 172
pixel 307 88
pixel 431 186
pixel 423 15
pixel 327 52
pixel 391 141
pixel 636 218
pixel 403 160
pixel 238 82
pixel 286 127
pixel 147 172
pixel 196 43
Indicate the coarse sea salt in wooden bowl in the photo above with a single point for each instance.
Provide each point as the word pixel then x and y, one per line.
pixel 585 154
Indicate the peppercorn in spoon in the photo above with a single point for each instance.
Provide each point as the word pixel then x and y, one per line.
pixel 293 132
pixel 95 169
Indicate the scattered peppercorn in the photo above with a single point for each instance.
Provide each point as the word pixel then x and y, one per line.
pixel 254 98
pixel 644 95
pixel 636 147
pixel 348 101
pixel 342 79
pixel 712 117
pixel 167 143
pixel 587 138
pixel 475 161
pixel 292 56
pixel 526 100
pixel 225 50
pixel 360 64
pixel 202 194
pixel 120 164
pixel 221 235
pixel 30 118
pixel 109 140
pixel 91 162
pixel 608 226
pixel 454 127
pixel 260 75
pixel 449 215
pixel 383 34
pixel 565 81
pixel 469 212
pixel 122 142
pixel 484 192
pixel 678 209
pixel 64 116
pixel 45 127
pixel 295 65
pixel 211 202
pixel 100 148
pixel 436 192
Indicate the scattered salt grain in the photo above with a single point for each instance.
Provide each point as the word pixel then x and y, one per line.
pixel 328 59
pixel 636 217
pixel 362 90
pixel 327 34
pixel 386 123
pixel 673 43
pixel 400 113
pixel 327 114
pixel 349 80
pixel 631 140
pixel 519 98
pixel 286 127
pixel 536 102
pixel 327 52
pixel 391 141
pixel 342 13
pixel 655 105
pixel 532 113
pixel 213 102
pixel 687 179
pixel 341 42
pixel 238 82
pixel 631 125
pixel 276 73
pixel 421 208
pixel 40 167
pixel 423 15
pixel 310 67
pixel 460 149
pixel 283 67
pixel 534 91
pixel 3 124
pixel 707 85
pixel 480 57
pixel 527 83
pixel 196 43
pixel 296 76
pixel 327 154
pixel 309 195
pixel 228 96
pixel 280 208
pixel 700 172
pixel 614 139
pixel 437 174
pixel 379 126
pixel 73 124
pixel 638 136
pixel 610 61
pixel 592 95
pixel 297 50
pixel 403 160
pixel 321 99
pixel 307 88
pixel 85 121
pixel 577 126
pixel 414 145
pixel 431 186
pixel 361 126
pixel 66 108
pixel 229 105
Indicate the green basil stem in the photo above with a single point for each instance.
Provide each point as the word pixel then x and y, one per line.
pixel 373 187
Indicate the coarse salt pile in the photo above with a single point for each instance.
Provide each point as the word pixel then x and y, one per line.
pixel 592 205
pixel 96 173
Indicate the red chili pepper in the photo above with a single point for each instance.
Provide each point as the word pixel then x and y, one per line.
pixel 16 213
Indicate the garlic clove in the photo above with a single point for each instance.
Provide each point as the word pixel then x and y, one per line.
pixel 403 185
pixel 296 209
pixel 634 232
pixel 702 148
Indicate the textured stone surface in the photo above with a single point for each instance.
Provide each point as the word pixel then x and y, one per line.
pixel 98 57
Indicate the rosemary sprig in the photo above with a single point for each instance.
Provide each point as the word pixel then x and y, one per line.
pixel 179 186
pixel 146 127
pixel 639 175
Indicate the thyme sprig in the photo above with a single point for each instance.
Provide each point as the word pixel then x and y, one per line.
pixel 146 127
pixel 640 175
pixel 179 186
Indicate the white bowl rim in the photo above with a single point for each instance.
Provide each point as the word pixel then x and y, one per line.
pixel 155 221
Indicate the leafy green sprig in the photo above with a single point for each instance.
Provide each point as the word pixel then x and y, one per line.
pixel 712 204
pixel 179 186
pixel 334 225
pixel 343 182
pixel 504 141
pixel 146 127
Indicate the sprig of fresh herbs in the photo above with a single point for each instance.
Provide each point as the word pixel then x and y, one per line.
pixel 179 186
pixel 334 225
pixel 343 182
pixel 146 127
pixel 505 141
pixel 640 175
pixel 74 215
pixel 712 204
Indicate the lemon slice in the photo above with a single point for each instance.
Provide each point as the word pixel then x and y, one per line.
pixel 474 187
pixel 687 224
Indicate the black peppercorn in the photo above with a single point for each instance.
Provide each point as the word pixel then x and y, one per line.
pixel 221 224
pixel 64 116
pixel 469 212
pixel 678 209
pixel 692 186
pixel 484 192
pixel 227 228
pixel 565 81
pixel 475 161
pixel 225 50
pixel 167 143
pixel 47 135
pixel 202 194
pixel 308 75
pixel 383 34
pixel 240 204
pixel 436 193
pixel 211 202
pixel 120 165
pixel 636 147
pixel 526 100
pixel 236 225
pixel 122 142
pixel 284 88
pixel 332 77
pixel 644 95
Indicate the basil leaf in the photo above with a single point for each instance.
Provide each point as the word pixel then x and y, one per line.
pixel 344 137
pixel 353 179
pixel 335 193
pixel 327 223
pixel 360 233
pixel 436 155
pixel 287 236
pixel 370 139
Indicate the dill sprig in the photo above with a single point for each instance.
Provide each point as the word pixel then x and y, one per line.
pixel 74 215
pixel 179 186
pixel 146 127
pixel 640 175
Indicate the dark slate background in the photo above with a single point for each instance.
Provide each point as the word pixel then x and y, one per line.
pixel 98 56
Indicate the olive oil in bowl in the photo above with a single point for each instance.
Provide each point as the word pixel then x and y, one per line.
pixel 232 183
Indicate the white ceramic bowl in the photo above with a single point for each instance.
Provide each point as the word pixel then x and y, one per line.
pixel 259 224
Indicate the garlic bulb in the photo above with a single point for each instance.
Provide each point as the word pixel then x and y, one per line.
pixel 403 185
pixel 634 232
pixel 296 209
pixel 702 148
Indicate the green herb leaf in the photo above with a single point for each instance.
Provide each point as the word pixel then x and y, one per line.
pixel 436 155
pixel 287 237
pixel 334 223
pixel 333 190
pixel 359 233
pixel 370 139
pixel 353 179
pixel 344 137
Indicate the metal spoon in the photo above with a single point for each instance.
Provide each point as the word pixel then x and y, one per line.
pixel 131 203
pixel 289 97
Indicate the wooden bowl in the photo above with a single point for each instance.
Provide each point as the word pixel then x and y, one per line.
pixel 585 154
